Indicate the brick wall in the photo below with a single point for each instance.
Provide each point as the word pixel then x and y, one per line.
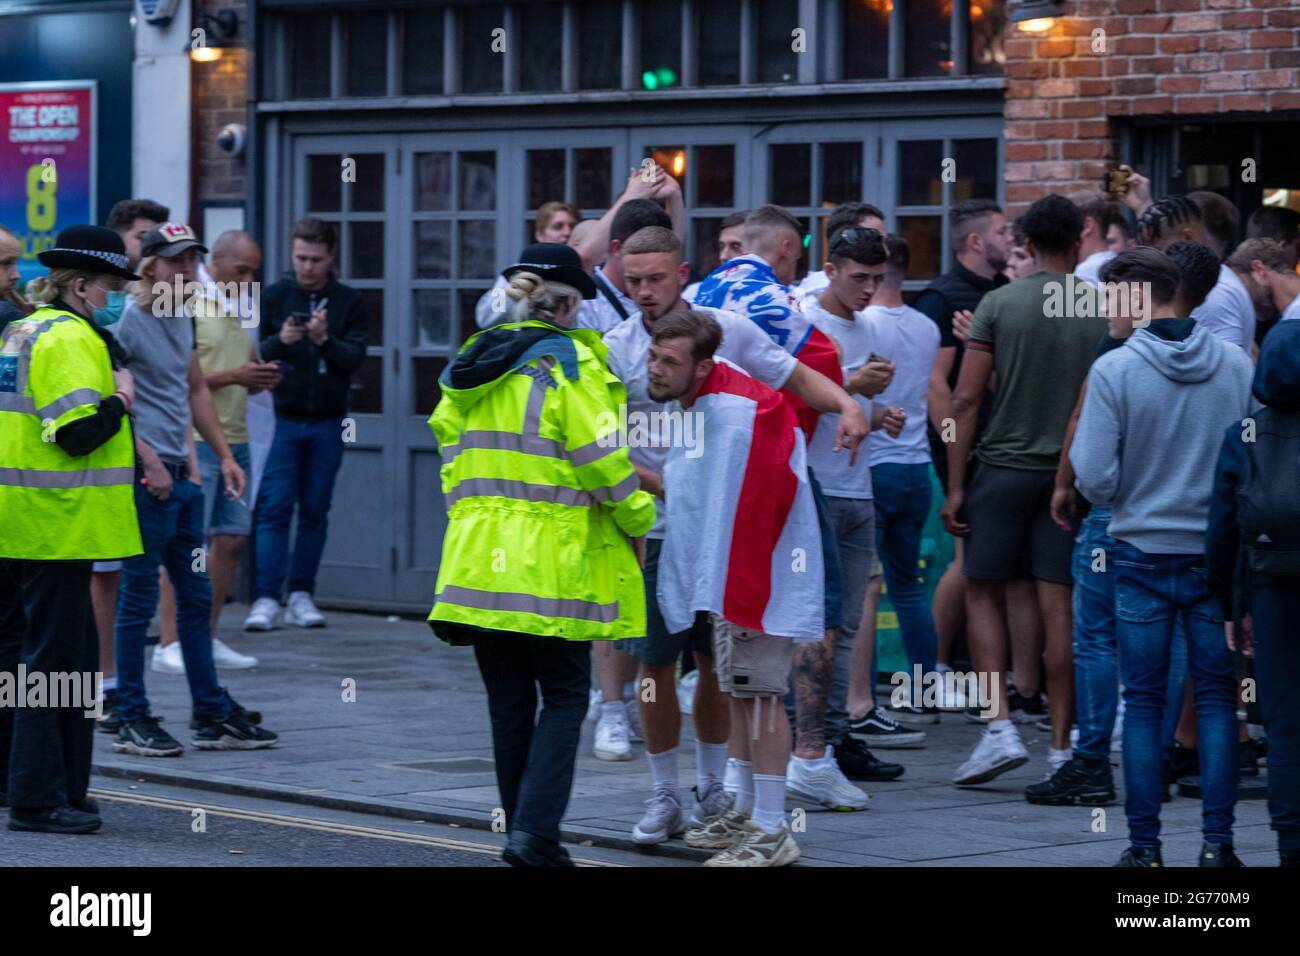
pixel 1170 57
pixel 220 94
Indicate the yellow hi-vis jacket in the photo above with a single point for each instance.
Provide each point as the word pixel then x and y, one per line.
pixel 541 494
pixel 54 370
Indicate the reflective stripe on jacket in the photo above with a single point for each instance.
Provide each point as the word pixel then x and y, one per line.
pixel 54 370
pixel 541 494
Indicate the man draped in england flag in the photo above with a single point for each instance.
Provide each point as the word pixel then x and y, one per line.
pixel 758 286
pixel 743 544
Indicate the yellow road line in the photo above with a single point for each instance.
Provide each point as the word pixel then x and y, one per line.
pixel 305 823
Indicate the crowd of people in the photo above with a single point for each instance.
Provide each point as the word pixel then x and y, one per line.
pixel 1102 391
pixel 1086 385
pixel 156 413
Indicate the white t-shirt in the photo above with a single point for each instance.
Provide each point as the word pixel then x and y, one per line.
pixel 1088 269
pixel 812 284
pixel 911 340
pixel 743 344
pixel 837 477
pixel 599 313
pixel 1228 312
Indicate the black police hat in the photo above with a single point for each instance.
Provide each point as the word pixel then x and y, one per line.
pixel 554 262
pixel 90 248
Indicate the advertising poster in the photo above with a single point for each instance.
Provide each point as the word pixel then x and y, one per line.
pixel 47 163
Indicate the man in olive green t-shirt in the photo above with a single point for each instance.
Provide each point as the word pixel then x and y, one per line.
pixel 1039 336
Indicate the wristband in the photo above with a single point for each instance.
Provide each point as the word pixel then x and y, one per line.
pixel 122 395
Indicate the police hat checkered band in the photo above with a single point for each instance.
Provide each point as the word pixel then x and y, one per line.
pixel 113 258
pixel 537 265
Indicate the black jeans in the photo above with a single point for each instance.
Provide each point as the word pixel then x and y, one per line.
pixel 535 753
pixel 47 623
pixel 1275 606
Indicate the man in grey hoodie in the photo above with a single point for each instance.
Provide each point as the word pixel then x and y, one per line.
pixel 1146 445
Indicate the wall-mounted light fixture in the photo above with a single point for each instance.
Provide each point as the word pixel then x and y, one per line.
pixel 212 33
pixel 1036 16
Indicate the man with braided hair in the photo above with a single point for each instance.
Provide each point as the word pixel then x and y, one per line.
pixel 1227 311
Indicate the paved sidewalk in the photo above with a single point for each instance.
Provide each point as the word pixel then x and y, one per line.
pixel 416 744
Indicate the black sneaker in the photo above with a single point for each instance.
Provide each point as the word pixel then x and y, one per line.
pixel 111 721
pixel 1218 855
pixel 915 715
pixel 858 763
pixel 1026 710
pixel 234 732
pixel 878 729
pixel 252 716
pixel 53 820
pixel 145 738
pixel 1247 758
pixel 1141 856
pixel 1075 782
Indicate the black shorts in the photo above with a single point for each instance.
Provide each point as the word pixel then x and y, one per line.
pixel 1012 534
pixel 660 648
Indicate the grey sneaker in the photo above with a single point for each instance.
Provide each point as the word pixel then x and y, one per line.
pixel 662 820
pixel 727 830
pixel 757 848
pixel 711 804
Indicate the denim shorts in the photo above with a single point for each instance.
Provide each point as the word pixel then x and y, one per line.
pixel 220 514
pixel 660 648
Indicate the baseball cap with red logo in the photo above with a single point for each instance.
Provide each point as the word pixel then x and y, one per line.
pixel 169 239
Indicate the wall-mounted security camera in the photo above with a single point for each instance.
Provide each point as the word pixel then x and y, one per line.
pixel 231 139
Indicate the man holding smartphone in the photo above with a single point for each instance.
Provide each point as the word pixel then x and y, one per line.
pixel 316 325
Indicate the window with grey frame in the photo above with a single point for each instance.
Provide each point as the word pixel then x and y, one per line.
pixel 552 46
pixel 933 175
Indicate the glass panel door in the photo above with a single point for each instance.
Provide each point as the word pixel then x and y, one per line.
pixel 350 182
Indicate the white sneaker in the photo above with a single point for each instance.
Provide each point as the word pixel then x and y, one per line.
pixel 612 739
pixel 633 708
pixel 225 656
pixel 686 692
pixel 168 660
pixel 823 782
pixel 756 848
pixel 302 611
pixel 261 617
pixel 662 820
pixel 593 703
pixel 996 753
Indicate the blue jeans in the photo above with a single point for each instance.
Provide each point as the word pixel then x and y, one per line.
pixel 902 509
pixel 1152 592
pixel 172 534
pixel 1275 605
pixel 1096 670
pixel 300 471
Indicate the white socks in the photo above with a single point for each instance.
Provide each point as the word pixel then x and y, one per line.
pixel 710 762
pixel 744 787
pixel 612 710
pixel 663 770
pixel 769 801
